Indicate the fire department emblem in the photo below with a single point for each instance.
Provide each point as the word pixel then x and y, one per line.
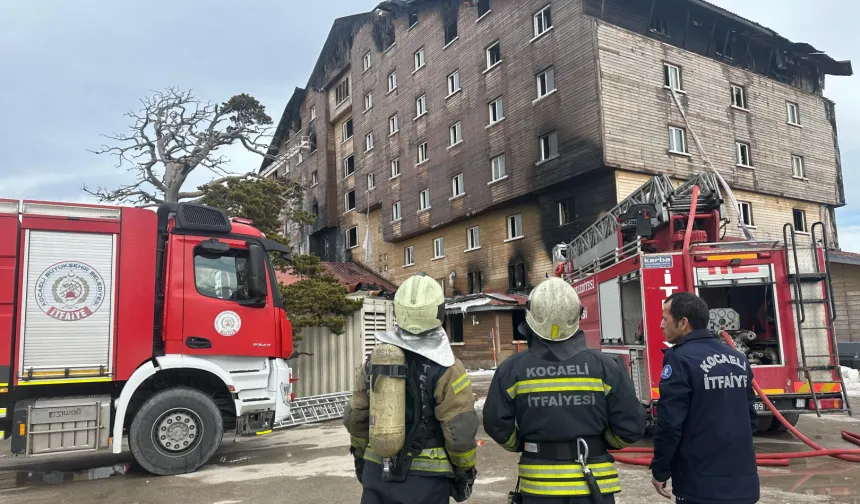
pixel 70 291
pixel 227 323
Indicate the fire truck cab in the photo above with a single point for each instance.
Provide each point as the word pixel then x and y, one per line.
pixel 773 298
pixel 165 327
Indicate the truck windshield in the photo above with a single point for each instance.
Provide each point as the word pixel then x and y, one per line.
pixel 222 277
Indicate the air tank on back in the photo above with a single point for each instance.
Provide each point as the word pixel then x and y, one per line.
pixel 387 403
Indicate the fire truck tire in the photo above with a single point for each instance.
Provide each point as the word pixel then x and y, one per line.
pixel 176 431
pixel 765 422
pixel 777 426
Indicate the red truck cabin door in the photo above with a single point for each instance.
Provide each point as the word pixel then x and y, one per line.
pixel 215 321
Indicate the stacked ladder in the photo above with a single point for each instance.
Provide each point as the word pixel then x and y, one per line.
pixel 314 409
pixel 814 312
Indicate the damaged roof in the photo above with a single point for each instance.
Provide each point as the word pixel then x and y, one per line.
pixel 349 274
pixel 487 301
pixel 827 64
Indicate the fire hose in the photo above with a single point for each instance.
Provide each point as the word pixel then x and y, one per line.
pixel 766 459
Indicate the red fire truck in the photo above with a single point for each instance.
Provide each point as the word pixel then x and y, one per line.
pixel 165 326
pixel 773 298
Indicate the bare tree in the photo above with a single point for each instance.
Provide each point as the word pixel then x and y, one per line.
pixel 174 134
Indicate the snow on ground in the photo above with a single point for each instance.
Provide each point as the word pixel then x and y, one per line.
pixel 479 404
pixel 852 380
pixel 481 372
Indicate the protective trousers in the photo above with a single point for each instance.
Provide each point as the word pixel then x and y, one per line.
pixel 413 490
pixel 532 499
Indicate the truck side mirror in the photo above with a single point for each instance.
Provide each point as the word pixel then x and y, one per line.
pixel 257 271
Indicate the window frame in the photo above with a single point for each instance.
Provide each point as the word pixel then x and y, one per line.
pixel 424 200
pixel 563 208
pixel 488 52
pixel 313 112
pixel 503 168
pixel 421 106
pixel 366 61
pixel 458 186
pixel 455 134
pixel 368 101
pixel 439 246
pixel 314 178
pixel 396 212
pixel 683 137
pixel 346 167
pixel 423 151
pixel 749 211
pixel 500 110
pixel 392 79
pixel 371 181
pixel 486 11
pixel 548 75
pixel 539 18
pixel 801 163
pixel 341 96
pixel 418 59
pixel 743 94
pixel 739 148
pixel 802 213
pixel 667 77
pixel 368 142
pixel 451 40
pixel 789 106
pixel 454 82
pixel 346 201
pixel 395 163
pixel 546 148
pixel 393 125
pixel 235 253
pixel 473 238
pixel 409 256
pixel 347 237
pixel 514 224
pixel 344 128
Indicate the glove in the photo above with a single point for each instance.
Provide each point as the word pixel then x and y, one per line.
pixel 464 479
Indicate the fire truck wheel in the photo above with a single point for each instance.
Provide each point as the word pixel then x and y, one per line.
pixel 176 431
pixel 764 423
pixel 777 426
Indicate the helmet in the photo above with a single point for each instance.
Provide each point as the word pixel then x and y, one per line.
pixel 553 310
pixel 419 304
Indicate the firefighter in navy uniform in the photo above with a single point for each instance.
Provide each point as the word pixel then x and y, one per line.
pixel 705 415
pixel 562 406
pixel 437 460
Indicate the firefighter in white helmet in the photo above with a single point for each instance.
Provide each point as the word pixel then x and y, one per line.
pixel 562 406
pixel 430 418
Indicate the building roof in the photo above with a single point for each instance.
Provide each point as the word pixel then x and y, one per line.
pixel 353 276
pixel 842 257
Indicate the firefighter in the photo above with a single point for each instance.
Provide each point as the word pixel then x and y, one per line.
pixel 562 406
pixel 438 457
pixel 706 412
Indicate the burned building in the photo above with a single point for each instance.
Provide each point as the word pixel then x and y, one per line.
pixel 466 138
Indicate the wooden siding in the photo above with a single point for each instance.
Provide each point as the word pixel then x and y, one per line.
pixel 846 293
pixel 637 112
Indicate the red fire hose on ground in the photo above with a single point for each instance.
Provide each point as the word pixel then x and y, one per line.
pixel 766 459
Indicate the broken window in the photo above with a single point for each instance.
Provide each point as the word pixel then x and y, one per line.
pixel 799 220
pixel 315 210
pixel 659 26
pixel 743 149
pixel 451 32
pixel 455 328
pixel 517 276
pixel 348 166
pixel 351 239
pixel 312 139
pixel 413 18
pixel 483 7
pixel 349 201
pixel 347 130
pixel 475 282
pixel 745 211
pixel 739 99
pixel 564 216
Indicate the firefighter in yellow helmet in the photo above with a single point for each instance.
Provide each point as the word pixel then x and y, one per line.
pixel 411 418
pixel 562 406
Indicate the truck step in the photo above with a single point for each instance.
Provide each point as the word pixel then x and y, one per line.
pixel 807 277
pixel 808 301
pixel 61 425
pixel 817 368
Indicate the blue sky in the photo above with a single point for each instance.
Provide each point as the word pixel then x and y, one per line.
pixel 70 70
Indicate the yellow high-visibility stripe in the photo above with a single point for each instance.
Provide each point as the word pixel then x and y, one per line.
pixel 571 488
pixel 461 383
pixel 511 443
pixel 565 384
pixel 728 257
pixel 357 442
pixel 601 470
pixel 434 460
pixel 464 459
pixel 59 382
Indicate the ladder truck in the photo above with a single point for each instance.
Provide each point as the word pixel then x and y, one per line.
pixel 775 299
pixel 164 327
